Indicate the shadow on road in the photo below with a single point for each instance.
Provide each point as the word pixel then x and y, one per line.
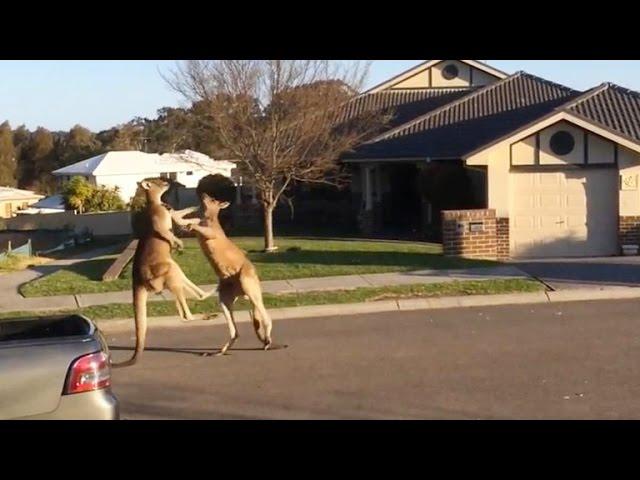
pixel 197 351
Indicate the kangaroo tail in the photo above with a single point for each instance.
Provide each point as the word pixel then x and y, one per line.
pixel 140 315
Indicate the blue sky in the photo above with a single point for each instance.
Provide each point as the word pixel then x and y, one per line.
pixel 101 94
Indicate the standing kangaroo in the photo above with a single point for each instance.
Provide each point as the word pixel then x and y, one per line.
pixel 237 275
pixel 153 268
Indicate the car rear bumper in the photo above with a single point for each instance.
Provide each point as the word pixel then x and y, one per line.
pixel 97 405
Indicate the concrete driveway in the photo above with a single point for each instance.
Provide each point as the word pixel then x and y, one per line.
pixel 578 360
pixel 562 273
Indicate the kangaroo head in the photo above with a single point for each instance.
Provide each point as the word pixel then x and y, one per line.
pixel 212 206
pixel 154 188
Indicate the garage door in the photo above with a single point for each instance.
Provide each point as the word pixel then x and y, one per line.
pixel 570 213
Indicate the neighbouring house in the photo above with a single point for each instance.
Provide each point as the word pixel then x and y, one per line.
pixel 12 200
pixel 526 167
pixel 50 204
pixel 124 169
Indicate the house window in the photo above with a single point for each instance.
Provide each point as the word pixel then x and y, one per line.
pixel 562 143
pixel 450 72
pixel 189 173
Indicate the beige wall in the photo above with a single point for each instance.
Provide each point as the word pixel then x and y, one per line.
pixel 600 151
pixel 421 79
pixel 462 80
pixel 108 223
pixel 629 164
pixel 576 156
pixel 524 152
pixel 10 207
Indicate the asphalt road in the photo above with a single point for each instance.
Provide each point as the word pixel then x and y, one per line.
pixel 578 360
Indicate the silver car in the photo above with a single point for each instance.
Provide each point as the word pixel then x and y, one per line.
pixel 55 368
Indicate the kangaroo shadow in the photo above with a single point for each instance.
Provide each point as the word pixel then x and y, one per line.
pixel 196 351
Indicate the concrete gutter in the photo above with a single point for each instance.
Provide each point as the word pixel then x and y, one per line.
pixel 241 316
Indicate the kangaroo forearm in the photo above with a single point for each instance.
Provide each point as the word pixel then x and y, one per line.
pixel 167 235
pixel 178 216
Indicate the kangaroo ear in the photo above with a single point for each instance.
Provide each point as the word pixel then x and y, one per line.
pixel 224 205
pixel 205 197
pixel 145 185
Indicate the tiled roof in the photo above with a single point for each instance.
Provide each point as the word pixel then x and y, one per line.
pixel 404 105
pixel 614 107
pixel 471 121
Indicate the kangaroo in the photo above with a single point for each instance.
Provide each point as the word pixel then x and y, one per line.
pixel 153 268
pixel 237 275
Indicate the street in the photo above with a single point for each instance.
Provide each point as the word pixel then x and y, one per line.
pixel 578 360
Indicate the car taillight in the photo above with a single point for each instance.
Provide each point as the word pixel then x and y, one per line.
pixel 88 373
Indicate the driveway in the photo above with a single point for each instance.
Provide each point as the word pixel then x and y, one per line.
pixel 578 360
pixel 562 273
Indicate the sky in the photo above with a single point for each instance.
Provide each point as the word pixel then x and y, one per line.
pixel 99 94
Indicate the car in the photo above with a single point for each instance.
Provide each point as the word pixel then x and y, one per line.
pixel 55 368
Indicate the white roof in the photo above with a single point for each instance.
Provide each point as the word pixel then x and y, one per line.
pixel 52 202
pixel 9 193
pixel 135 162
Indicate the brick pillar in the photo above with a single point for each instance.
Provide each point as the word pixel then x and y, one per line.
pixel 470 233
pixel 629 230
pixel 502 237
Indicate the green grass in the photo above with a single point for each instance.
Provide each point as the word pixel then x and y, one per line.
pixel 296 258
pixel 366 294
pixel 14 262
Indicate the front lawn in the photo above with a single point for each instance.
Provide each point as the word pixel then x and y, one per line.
pixel 296 258
pixel 365 294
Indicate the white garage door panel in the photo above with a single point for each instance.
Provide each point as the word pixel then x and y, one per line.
pixel 564 213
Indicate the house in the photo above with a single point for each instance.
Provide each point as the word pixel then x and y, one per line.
pixel 50 204
pixel 13 200
pixel 124 169
pixel 544 170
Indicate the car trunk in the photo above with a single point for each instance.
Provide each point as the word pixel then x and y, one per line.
pixel 35 356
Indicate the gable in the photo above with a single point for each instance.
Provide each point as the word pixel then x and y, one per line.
pixel 584 147
pixel 474 120
pixel 443 74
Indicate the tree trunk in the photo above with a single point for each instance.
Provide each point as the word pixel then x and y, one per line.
pixel 267 212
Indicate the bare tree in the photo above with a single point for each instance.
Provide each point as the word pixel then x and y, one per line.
pixel 284 120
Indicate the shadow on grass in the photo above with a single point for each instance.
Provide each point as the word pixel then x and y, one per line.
pixel 368 258
pixel 91 269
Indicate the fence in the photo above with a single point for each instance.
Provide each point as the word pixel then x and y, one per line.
pixel 23 250
pixel 99 224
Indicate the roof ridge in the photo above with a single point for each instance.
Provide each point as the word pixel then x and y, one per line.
pixel 420 89
pixel 584 96
pixel 548 82
pixel 445 107
pixel 615 86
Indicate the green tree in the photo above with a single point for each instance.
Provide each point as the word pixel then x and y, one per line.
pixel 104 199
pixel 79 144
pixel 283 120
pixel 129 136
pixel 37 159
pixel 7 156
pixel 76 193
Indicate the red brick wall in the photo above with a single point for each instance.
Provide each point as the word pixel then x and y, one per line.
pixel 502 238
pixel 461 240
pixel 629 230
